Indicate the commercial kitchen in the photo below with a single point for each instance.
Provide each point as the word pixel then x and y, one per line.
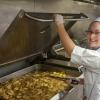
pixel 33 63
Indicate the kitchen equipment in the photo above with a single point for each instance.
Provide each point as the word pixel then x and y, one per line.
pixel 26 46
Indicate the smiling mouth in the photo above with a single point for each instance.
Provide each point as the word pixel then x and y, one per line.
pixel 93 40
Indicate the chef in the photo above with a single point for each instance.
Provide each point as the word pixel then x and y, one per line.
pixel 88 58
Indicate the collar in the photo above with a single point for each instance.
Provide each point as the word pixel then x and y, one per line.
pixel 97 48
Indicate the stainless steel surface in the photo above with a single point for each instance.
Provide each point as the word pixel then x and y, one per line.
pixel 95 2
pixel 18 73
pixel 39 67
pixel 19 59
pixel 75 94
pixel 10 8
pixel 25 38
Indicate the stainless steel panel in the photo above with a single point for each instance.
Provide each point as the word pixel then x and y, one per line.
pixel 25 38
pixel 31 34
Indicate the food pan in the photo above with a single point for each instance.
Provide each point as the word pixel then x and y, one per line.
pixel 19 86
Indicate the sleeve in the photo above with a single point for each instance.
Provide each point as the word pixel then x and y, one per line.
pixel 86 57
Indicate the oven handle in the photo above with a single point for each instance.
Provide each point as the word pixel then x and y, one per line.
pixel 51 20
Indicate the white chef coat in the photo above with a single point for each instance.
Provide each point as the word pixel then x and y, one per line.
pixel 90 59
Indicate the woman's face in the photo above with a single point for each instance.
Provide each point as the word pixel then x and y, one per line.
pixel 93 35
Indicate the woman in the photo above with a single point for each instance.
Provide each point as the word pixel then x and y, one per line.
pixel 88 58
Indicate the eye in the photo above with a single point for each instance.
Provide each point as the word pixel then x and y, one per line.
pixel 89 32
pixel 97 32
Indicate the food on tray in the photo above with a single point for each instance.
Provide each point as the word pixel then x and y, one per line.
pixel 34 86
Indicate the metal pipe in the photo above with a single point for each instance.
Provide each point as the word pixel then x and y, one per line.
pixel 51 20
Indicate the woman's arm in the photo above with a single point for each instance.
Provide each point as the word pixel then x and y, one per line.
pixel 81 56
pixel 64 37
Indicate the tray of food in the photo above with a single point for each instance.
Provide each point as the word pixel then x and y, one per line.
pixel 37 82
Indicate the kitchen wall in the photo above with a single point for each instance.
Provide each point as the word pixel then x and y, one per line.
pixel 10 8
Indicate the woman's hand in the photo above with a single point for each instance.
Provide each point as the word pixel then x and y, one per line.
pixel 58 19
